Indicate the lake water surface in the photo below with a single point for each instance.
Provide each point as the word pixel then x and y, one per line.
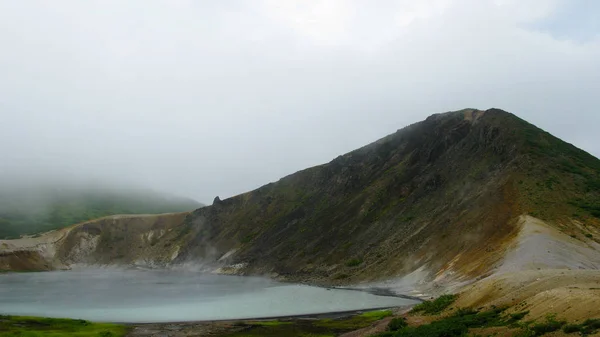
pixel 169 296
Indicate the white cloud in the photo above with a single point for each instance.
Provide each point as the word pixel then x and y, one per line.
pixel 207 98
pixel 356 23
pixel 526 10
pixel 324 22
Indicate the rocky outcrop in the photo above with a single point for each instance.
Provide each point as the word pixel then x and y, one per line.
pixel 24 260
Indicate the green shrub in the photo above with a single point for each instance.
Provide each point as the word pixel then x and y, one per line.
pixel 436 306
pixel 588 327
pixel 456 325
pixel 435 329
pixel 397 324
pixel 354 262
pixel 550 325
pixel 593 323
pixel 517 316
pixel 570 328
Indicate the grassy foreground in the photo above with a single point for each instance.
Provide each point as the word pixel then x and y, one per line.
pixel 54 327
pixel 460 322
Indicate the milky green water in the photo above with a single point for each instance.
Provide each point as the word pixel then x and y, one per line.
pixel 169 296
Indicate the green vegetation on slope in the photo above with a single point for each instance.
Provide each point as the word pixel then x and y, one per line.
pixel 559 174
pixel 436 306
pixel 14 326
pixel 456 325
pixel 463 320
pixel 355 322
pixel 588 327
pixel 35 210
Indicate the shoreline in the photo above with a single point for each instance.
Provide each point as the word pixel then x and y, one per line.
pixel 379 291
pixel 233 327
pixel 324 315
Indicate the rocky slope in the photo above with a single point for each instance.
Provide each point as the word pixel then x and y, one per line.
pixel 445 201
pixel 113 240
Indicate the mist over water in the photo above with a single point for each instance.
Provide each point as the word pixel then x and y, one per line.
pixel 168 296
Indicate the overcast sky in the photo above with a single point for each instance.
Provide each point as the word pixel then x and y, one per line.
pixel 205 98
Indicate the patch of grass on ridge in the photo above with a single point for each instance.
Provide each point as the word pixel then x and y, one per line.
pixel 436 306
pixel 376 315
pixel 270 323
pixel 550 325
pixel 55 327
pixel 356 322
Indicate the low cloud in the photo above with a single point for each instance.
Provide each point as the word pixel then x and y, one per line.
pixel 206 99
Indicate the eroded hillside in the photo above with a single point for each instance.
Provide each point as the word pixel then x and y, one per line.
pixel 113 240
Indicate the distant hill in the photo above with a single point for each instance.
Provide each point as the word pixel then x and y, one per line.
pixel 30 209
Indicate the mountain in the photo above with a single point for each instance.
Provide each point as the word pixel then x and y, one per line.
pixel 446 193
pixel 27 209
pixel 455 198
